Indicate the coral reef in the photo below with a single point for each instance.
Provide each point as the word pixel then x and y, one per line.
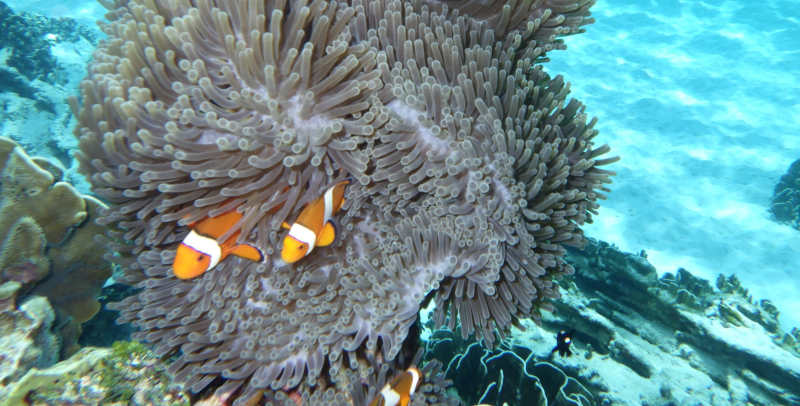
pixel 49 243
pixel 471 172
pixel 637 339
pixel 28 37
pixel 785 205
pixel 512 376
pixel 125 374
pixel 42 61
pixel 702 342
pixel 14 82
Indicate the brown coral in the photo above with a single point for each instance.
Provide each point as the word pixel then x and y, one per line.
pixel 472 169
pixel 49 243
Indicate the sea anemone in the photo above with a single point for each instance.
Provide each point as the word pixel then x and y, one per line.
pixel 470 172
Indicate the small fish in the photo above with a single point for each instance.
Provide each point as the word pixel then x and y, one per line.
pixel 313 226
pixel 200 252
pixel 563 340
pixel 398 392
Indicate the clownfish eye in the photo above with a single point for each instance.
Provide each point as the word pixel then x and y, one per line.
pixel 199 257
pixel 302 246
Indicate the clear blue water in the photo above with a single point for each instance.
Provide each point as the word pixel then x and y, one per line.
pixel 701 101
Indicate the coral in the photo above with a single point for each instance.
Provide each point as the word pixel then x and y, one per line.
pixel 785 205
pixel 22 255
pixel 129 370
pixel 471 171
pixel 8 295
pixel 12 81
pixel 514 375
pixel 30 53
pixel 48 383
pixel 123 375
pixel 127 373
pixel 78 272
pixel 49 240
pixel 29 37
pixel 27 339
pixel 28 190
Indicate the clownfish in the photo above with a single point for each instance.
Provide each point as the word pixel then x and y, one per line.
pixel 398 392
pixel 563 341
pixel 199 251
pixel 313 226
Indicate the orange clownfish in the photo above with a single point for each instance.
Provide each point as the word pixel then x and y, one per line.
pixel 313 227
pixel 199 251
pixel 398 392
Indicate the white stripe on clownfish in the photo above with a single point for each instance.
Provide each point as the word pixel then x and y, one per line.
pixel 313 226
pixel 399 391
pixel 204 245
pixel 303 234
pixel 328 205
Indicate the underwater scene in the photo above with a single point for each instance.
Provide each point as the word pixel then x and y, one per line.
pixel 399 202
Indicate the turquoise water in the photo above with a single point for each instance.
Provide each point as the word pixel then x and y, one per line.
pixel 700 99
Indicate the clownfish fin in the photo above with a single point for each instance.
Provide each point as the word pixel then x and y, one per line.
pixel 248 252
pixel 286 225
pixel 327 235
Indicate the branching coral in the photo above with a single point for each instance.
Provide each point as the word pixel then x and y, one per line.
pixel 471 168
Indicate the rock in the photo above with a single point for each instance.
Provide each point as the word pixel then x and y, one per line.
pixel 27 339
pixel 716 344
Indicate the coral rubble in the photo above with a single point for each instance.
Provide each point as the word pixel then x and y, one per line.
pixel 125 374
pixel 471 172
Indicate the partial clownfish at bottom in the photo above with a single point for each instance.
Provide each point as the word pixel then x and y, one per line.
pixel 398 392
pixel 313 226
pixel 199 251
